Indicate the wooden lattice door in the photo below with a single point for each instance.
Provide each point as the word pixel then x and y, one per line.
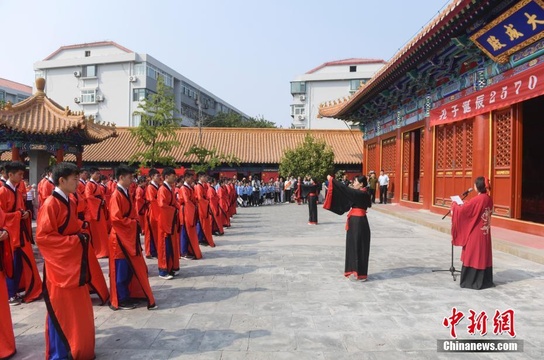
pixel 389 159
pixel 372 158
pixel 503 149
pixel 454 144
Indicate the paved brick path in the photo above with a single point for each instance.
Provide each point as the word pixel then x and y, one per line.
pixel 273 289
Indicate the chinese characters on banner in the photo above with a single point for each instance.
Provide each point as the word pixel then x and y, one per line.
pixel 524 86
pixel 518 27
pixel 502 322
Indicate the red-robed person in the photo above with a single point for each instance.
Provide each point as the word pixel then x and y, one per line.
pixel 45 186
pixel 141 202
pixel 18 224
pixel 224 202
pixel 217 222
pixel 128 271
pixel 64 245
pixel 96 214
pixel 7 338
pixel 152 214
pixel 168 247
pixel 107 191
pixel 471 229
pixel 190 249
pixel 204 225
pixel 97 283
pixel 80 194
pixel 233 196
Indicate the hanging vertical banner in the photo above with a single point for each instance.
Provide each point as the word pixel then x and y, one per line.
pixel 515 29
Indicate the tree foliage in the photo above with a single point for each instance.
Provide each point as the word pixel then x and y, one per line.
pixel 156 132
pixel 234 120
pixel 313 157
pixel 210 159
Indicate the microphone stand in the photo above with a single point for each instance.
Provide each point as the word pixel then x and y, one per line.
pixel 452 269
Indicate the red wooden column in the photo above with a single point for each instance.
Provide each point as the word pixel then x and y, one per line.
pixel 427 184
pixel 60 155
pixel 15 156
pixel 79 160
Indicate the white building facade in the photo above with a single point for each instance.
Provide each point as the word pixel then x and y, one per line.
pixel 108 81
pixel 331 80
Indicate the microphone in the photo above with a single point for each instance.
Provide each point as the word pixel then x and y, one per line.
pixel 466 192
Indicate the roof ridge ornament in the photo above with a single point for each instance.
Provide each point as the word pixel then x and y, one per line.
pixel 40 85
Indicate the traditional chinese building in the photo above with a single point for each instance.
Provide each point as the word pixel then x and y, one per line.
pixel 259 150
pixel 37 129
pixel 462 99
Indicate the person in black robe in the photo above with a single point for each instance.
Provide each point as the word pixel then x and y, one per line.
pixel 341 198
pixel 309 192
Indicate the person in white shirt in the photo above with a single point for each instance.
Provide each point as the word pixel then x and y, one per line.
pixel 383 179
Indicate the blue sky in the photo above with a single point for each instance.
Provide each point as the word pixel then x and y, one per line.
pixel 244 51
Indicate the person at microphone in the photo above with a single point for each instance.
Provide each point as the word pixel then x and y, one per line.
pixel 471 229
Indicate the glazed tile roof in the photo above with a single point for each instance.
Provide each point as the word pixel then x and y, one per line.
pixel 39 116
pixel 258 146
pixel 340 108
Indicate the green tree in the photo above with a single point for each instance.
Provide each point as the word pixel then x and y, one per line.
pixel 313 157
pixel 237 121
pixel 156 133
pixel 207 159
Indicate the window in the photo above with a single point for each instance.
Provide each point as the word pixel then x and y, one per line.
pixel 2 95
pixel 138 94
pixel 136 118
pixel 298 87
pixel 87 53
pixel 88 96
pixel 139 69
pixel 20 98
pixel 353 68
pixel 354 85
pixel 297 110
pixel 89 71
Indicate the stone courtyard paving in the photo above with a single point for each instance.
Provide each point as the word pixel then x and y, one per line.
pixel 273 289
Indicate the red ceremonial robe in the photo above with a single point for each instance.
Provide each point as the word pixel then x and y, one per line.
pixel 96 216
pixel 141 207
pixel 168 229
pixel 97 283
pixel 471 229
pixel 125 244
pixel 203 206
pixel 20 235
pixel 224 205
pixel 45 190
pixel 66 274
pixel 7 338
pixel 152 218
pixel 81 201
pixel 189 214
pixel 214 210
pixel 234 198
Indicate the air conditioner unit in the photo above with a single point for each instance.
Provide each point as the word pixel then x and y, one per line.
pixel 302 97
pixel 77 100
pixel 132 78
pixel 301 117
pixel 77 73
pixel 99 98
